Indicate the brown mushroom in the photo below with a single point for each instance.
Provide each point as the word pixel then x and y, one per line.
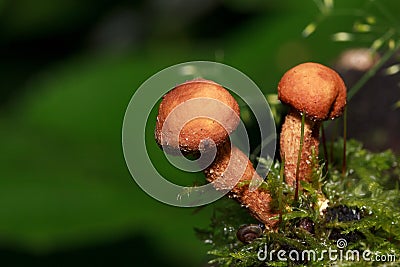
pixel 192 119
pixel 320 93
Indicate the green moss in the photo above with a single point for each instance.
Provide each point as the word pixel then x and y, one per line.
pixel 363 209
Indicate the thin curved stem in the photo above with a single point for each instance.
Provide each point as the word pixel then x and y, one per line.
pixel 303 120
pixel 344 164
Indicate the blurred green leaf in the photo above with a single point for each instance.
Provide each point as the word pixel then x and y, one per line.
pixel 64 180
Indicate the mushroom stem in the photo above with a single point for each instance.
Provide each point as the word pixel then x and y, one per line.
pixel 198 116
pixel 230 162
pixel 319 93
pixel 290 146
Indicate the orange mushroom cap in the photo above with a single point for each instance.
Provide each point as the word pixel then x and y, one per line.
pixel 314 89
pixel 213 99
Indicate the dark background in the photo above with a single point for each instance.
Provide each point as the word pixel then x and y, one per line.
pixel 68 71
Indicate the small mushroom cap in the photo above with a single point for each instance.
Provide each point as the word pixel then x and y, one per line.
pixel 314 89
pixel 201 110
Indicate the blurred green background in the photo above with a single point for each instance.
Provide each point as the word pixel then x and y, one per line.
pixel 68 71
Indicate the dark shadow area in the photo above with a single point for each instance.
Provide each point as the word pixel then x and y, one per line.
pixel 137 250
